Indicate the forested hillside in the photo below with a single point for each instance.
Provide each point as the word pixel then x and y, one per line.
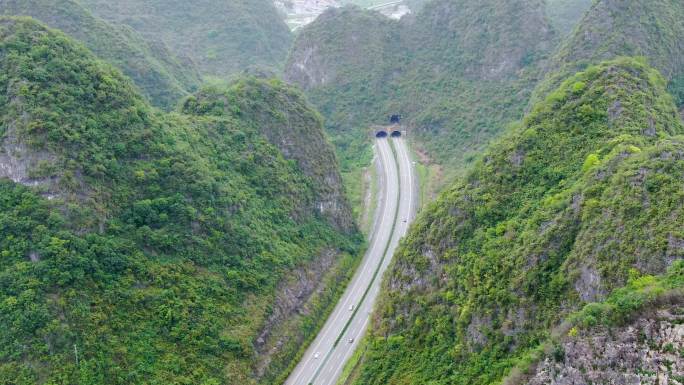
pixel 566 14
pixel 458 72
pixel 146 247
pixel 652 29
pixel 222 37
pixel 162 77
pixel 580 198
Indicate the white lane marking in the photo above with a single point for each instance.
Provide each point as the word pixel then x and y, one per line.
pixel 347 355
pixel 404 150
pixel 354 288
pixel 376 284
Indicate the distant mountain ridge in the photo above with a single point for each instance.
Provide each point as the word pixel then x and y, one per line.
pixel 457 71
pixel 223 38
pixel 613 28
pixel 162 77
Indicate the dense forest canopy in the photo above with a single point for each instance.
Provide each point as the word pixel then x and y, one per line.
pixel 458 71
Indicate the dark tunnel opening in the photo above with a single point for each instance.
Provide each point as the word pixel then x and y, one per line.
pixel 396 134
pixel 381 134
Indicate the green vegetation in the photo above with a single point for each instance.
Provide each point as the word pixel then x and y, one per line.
pixel 283 116
pixel 577 200
pixel 152 246
pixel 456 83
pixel 163 78
pixel 614 28
pixel 222 37
pixel 640 297
pixel 565 14
pixel 641 293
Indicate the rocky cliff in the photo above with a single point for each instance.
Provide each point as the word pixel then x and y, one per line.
pixel 284 117
pixel 646 351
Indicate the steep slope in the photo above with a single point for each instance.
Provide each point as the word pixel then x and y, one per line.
pixel 283 116
pixel 163 78
pixel 458 71
pixel 584 193
pixel 339 60
pixel 222 37
pixel 613 28
pixel 143 247
pixel 635 336
pixel 566 14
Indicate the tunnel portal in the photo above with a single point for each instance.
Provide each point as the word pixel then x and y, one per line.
pixel 396 133
pixel 381 134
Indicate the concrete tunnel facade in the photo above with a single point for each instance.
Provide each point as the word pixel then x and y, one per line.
pixel 385 134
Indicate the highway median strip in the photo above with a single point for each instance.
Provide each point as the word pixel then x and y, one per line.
pixel 375 274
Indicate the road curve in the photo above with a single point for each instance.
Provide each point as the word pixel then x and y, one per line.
pixel 323 362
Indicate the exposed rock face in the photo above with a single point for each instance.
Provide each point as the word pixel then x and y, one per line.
pixel 482 271
pixel 647 351
pixel 19 163
pixel 300 137
pixel 294 298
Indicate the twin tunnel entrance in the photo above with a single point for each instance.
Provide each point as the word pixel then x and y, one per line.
pixel 391 130
pixel 384 134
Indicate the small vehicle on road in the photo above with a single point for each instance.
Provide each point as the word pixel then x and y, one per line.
pixel 351 340
pixel 316 355
pixel 351 307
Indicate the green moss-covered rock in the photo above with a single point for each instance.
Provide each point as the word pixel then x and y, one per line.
pixel 285 118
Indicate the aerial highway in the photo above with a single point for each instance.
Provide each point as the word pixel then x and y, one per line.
pixel 325 358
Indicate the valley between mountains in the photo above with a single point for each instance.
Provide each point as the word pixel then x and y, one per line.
pixel 343 192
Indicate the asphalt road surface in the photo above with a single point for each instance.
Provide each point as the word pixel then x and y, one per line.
pixel 323 362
